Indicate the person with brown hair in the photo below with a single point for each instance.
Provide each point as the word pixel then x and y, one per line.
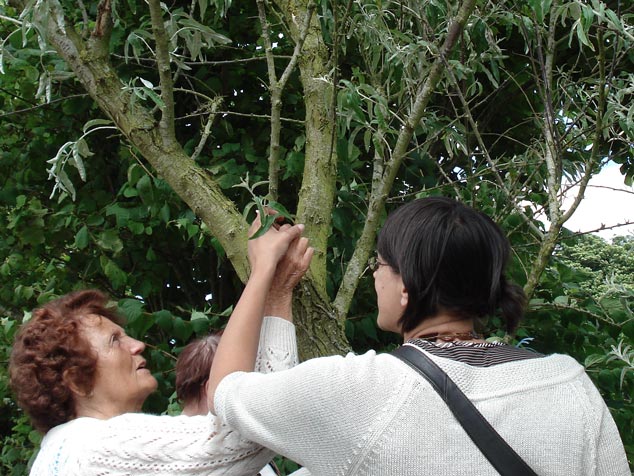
pixel 82 380
pixel 192 374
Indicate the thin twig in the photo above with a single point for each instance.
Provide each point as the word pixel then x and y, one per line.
pixel 39 106
pixel 207 129
pixel 568 307
pixel 84 15
pixel 152 61
pixel 492 165
pixel 12 20
pixel 242 114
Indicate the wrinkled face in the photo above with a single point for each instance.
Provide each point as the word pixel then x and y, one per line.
pixel 390 296
pixel 122 382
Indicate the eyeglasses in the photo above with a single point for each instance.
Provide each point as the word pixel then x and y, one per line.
pixel 374 264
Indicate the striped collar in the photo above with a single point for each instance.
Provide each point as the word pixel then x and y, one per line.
pixel 479 354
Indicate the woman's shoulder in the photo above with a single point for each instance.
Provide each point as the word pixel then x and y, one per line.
pixel 62 448
pixel 379 370
pixel 370 359
pixel 144 423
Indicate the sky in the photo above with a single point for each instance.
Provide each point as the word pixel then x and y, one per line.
pixel 605 206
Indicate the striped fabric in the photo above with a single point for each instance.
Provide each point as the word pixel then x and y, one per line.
pixel 479 354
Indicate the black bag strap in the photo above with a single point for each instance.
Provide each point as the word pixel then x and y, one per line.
pixel 503 458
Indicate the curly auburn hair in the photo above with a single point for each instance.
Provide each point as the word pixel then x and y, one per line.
pixel 50 353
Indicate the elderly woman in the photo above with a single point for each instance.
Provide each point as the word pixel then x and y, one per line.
pixel 82 381
pixel 440 268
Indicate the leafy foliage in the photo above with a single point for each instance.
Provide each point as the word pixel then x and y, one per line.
pixel 532 97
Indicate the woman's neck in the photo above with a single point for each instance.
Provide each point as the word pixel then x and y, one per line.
pixel 102 410
pixel 452 327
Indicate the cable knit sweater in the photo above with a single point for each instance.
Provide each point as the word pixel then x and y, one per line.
pixel 137 444
pixel 373 415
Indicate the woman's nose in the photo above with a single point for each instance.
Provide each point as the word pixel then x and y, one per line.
pixel 136 346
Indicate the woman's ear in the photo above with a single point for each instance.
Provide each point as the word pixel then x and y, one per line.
pixel 404 296
pixel 70 379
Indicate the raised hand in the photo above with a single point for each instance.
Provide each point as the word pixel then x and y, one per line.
pixel 266 251
pixel 288 273
pixel 293 265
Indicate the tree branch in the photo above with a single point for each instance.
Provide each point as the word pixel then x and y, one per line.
pixel 384 174
pixel 192 183
pixel 276 87
pixel 165 73
pixel 213 107
pixel 598 133
pixel 103 23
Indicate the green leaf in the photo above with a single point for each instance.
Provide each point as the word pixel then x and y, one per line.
pixel 81 238
pixel 628 329
pixel 165 213
pixel 594 359
pixel 96 123
pixel 267 223
pixel 145 188
pixel 136 228
pixel 115 274
pixel 182 329
pixel 135 172
pixel 562 300
pixel 164 320
pixel 109 240
pixel 131 308
pixel 281 210
pixel 150 255
pixel 196 315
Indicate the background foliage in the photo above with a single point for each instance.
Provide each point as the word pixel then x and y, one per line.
pixel 346 109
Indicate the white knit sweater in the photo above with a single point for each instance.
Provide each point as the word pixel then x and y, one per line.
pixel 138 444
pixel 373 415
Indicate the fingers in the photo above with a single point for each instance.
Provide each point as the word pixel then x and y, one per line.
pixel 266 251
pixel 306 259
pixel 293 231
pixel 255 224
pixel 298 251
pixel 292 266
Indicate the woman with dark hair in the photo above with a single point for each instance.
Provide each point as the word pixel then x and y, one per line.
pixel 440 269
pixel 82 380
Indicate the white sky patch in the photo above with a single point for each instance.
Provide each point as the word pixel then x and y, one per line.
pixel 603 205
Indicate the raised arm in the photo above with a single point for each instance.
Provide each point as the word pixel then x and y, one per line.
pixel 238 347
pixel 288 273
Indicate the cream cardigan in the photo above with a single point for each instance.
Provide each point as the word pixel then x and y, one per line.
pixel 373 415
pixel 137 444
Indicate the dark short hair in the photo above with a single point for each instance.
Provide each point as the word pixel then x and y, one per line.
pixel 193 366
pixel 451 259
pixel 48 350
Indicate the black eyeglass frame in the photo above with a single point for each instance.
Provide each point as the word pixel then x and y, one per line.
pixel 374 264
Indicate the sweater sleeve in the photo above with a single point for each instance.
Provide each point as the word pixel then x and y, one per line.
pixel 611 459
pixel 277 349
pixel 296 412
pixel 144 445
